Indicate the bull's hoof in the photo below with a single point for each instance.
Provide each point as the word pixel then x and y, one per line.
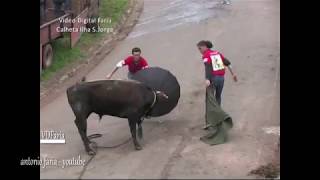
pixel 91 153
pixel 91 149
pixel 138 148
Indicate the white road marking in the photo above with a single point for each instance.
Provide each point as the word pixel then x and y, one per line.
pixel 272 130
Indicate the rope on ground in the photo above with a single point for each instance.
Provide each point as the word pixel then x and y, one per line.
pixel 93 136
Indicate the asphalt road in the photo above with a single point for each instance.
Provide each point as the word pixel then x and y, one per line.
pixel 248 33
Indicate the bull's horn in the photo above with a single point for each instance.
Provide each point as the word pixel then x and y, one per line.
pixel 162 94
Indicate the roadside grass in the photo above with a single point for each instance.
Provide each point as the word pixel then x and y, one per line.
pixel 63 55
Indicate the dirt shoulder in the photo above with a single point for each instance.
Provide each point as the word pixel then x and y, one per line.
pixel 73 72
pixel 270 170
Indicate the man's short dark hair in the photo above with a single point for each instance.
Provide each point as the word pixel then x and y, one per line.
pixel 208 44
pixel 136 49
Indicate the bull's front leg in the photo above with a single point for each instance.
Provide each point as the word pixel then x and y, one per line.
pixel 133 123
pixel 82 128
pixel 140 133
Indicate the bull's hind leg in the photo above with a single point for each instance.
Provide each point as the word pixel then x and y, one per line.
pixel 133 123
pixel 81 124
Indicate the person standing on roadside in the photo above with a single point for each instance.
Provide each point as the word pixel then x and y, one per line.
pixel 227 2
pixel 215 64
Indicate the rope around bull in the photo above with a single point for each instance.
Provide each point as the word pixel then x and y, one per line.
pixel 93 136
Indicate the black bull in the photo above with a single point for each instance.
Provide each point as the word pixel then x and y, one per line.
pixel 120 98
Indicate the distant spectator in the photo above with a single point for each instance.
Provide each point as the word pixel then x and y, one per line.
pixel 58 7
pixel 226 2
pixel 42 11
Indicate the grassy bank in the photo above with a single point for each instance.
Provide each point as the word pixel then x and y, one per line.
pixel 112 10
